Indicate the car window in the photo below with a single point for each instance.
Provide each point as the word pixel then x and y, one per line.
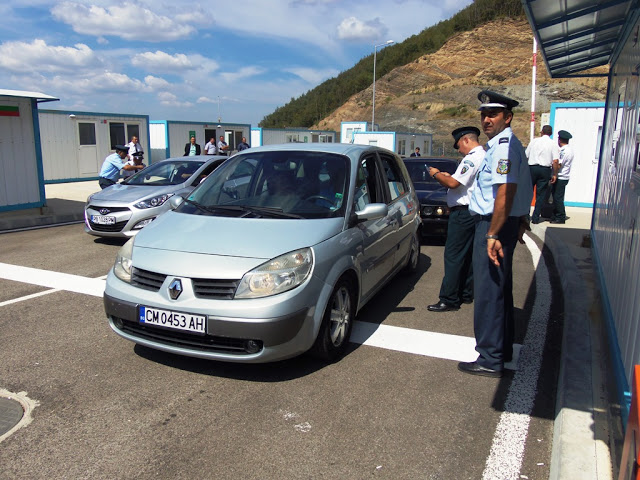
pixel 368 187
pixel 306 184
pixel 395 179
pixel 165 173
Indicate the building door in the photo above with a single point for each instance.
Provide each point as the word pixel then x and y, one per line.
pixel 87 149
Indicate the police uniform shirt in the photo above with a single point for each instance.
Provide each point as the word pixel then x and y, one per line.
pixel 111 167
pixel 465 174
pixel 542 151
pixel 566 158
pixel 133 148
pixel 504 162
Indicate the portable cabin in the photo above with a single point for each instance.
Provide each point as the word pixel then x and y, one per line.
pixel 75 144
pixel 21 172
pixel 401 143
pixel 273 136
pixel 169 137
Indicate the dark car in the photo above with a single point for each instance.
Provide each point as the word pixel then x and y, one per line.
pixel 433 196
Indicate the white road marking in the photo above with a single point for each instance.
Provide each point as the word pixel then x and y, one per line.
pixel 507 450
pixel 56 280
pixel 28 297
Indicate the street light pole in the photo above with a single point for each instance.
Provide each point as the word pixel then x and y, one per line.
pixel 373 103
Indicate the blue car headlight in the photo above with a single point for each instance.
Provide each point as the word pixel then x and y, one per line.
pixel 276 276
pixel 153 202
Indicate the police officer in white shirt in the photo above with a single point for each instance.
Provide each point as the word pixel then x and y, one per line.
pixel 542 153
pixel 457 284
pixel 563 168
pixel 499 202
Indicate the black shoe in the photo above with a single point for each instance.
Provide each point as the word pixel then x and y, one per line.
pixel 475 369
pixel 441 307
pixel 467 300
pixel 535 221
pixel 557 221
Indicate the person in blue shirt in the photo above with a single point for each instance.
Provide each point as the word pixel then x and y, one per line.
pixel 243 145
pixel 112 165
pixel 500 201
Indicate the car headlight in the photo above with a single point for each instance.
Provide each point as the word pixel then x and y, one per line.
pixel 123 264
pixel 154 202
pixel 276 276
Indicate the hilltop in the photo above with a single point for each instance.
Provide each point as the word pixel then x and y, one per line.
pixel 438 92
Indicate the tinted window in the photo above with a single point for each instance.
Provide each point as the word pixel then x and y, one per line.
pixel 395 180
pixel 165 173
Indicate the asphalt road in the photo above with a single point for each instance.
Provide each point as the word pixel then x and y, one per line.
pixel 107 408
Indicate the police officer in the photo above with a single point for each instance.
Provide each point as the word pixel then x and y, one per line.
pixel 500 202
pixel 112 165
pixel 457 284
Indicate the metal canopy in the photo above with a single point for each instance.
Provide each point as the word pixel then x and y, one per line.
pixel 40 97
pixel 577 35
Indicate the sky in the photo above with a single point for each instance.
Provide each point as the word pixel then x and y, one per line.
pixel 177 60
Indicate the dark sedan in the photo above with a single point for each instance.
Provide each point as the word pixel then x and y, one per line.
pixel 433 196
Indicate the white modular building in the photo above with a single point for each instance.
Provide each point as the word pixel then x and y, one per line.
pixel 169 137
pixel 273 136
pixel 584 120
pixel 21 172
pixel 398 142
pixel 75 144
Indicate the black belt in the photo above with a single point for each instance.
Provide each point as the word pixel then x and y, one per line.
pixel 459 207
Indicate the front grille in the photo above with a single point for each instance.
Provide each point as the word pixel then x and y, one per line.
pixel 111 209
pixel 214 288
pixel 116 227
pixel 146 279
pixel 206 343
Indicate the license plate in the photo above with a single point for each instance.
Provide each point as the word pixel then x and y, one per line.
pixel 103 220
pixel 174 320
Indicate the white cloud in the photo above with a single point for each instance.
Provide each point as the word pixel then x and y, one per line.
pixel 156 83
pixel 37 56
pixel 244 72
pixel 206 100
pixel 170 100
pixel 127 21
pixel 162 62
pixel 312 75
pixel 353 29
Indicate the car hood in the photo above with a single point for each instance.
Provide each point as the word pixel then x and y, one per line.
pixel 429 193
pixel 263 238
pixel 130 193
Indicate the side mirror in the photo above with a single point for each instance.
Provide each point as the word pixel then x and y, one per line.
pixel 373 211
pixel 175 201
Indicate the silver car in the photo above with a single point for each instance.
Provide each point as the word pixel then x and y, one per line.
pixel 123 209
pixel 272 255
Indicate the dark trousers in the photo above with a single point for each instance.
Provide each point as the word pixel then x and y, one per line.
pixel 557 190
pixel 105 182
pixel 493 309
pixel 457 284
pixel 540 177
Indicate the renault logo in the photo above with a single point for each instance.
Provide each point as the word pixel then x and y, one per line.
pixel 104 211
pixel 175 289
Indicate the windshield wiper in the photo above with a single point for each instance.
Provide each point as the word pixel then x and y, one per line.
pixel 199 205
pixel 260 211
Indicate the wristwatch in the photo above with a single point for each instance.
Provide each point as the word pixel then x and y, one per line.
pixel 491 237
pixel 434 175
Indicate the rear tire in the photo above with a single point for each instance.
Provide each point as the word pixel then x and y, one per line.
pixel 337 322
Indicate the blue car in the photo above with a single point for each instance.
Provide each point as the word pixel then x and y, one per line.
pixel 434 211
pixel 271 256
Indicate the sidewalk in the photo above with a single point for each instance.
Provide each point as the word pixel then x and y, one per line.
pixel 587 432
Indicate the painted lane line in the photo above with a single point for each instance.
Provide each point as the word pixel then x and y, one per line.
pixel 28 297
pixel 56 280
pixel 507 450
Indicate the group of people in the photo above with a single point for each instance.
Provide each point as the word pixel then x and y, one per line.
pixel 489 198
pixel 212 148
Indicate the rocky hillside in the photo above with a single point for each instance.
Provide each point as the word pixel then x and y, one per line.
pixel 438 93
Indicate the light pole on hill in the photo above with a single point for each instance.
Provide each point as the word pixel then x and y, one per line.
pixel 373 103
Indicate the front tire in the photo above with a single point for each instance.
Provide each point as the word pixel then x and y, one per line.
pixel 337 322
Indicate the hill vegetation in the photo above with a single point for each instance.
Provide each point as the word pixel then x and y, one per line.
pixel 316 104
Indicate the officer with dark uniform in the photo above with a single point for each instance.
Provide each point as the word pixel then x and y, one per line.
pixel 457 284
pixel 499 202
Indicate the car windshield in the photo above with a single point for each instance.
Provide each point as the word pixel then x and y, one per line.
pixel 274 184
pixel 419 170
pixel 171 172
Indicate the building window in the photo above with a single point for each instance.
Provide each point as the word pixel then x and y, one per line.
pixel 87 133
pixel 293 138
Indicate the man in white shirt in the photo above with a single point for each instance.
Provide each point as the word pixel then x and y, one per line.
pixel 135 155
pixel 457 284
pixel 563 168
pixel 542 154
pixel 210 147
pixel 223 148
